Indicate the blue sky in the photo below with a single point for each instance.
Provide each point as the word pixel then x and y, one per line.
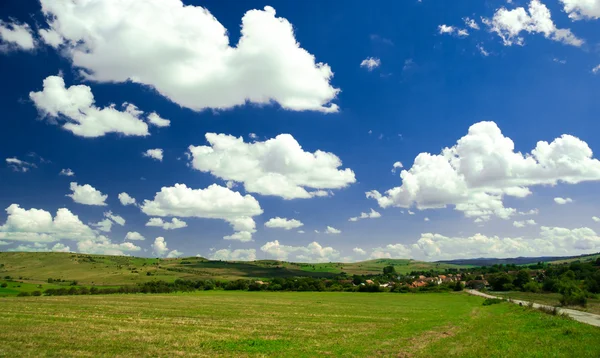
pixel 394 81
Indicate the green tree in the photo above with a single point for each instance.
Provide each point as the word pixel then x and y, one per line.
pixel 521 279
pixel 389 270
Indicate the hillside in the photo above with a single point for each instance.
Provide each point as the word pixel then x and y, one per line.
pixel 520 260
pixel 38 267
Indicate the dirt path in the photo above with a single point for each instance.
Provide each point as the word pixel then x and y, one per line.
pixel 583 317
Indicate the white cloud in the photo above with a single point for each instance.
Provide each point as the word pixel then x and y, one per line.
pixel 445 29
pixel 283 223
pixel 475 174
pixel 300 231
pixel 524 223
pixel 471 23
pixel 551 241
pixel 174 224
pixel 173 254
pixel 87 195
pixel 104 225
pixel 103 246
pixel 426 219
pixel 184 53
pixel 370 63
pixel 332 230
pixel 252 136
pixel 38 247
pixel 36 225
pixel 214 202
pixel 156 120
pixel 462 33
pixel 4 243
pixel 125 199
pixel 482 50
pixel 371 215
pixel 116 218
pixel 15 36
pixel 277 166
pixel 156 154
pixel 234 255
pixel 396 166
pixel 313 252
pixel 582 9
pixel 67 172
pixel 596 219
pixel 596 70
pixel 530 212
pixel 134 236
pixel 563 201
pixel 509 24
pixel 159 247
pixel 359 251
pixel 19 165
pixel 75 107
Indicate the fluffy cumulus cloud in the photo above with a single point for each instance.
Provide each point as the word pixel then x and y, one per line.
pixel 39 247
pixel 75 107
pixel 370 63
pixel 596 219
pixel 174 224
pixel 19 165
pixel 160 249
pixel 550 241
pixel 313 252
pixel 359 251
pixel 277 166
pixel 39 229
pixel 582 9
pixel 445 29
pixel 103 246
pixel 156 154
pixel 332 231
pixel 104 225
pixel 563 201
pixel 214 202
pixel 87 195
pixel 156 120
pixel 475 174
pixel 371 215
pixel 15 36
pixel 184 53
pixel 134 236
pixel 125 199
pixel 234 255
pixel 510 24
pixel 283 223
pixel 36 225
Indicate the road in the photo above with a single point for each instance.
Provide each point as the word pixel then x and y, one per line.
pixel 583 317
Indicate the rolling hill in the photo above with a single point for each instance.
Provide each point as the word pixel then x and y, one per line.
pixel 38 267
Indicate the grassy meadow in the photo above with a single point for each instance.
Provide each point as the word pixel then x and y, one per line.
pixel 291 324
pixel 550 299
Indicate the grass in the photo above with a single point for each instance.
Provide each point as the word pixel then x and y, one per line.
pixel 37 267
pixel 551 299
pixel 291 324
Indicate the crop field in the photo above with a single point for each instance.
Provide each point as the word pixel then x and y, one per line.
pixel 296 324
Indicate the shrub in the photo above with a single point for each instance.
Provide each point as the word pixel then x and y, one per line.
pixel 491 301
pixel 531 287
pixel 3 285
pixel 574 298
pixel 23 294
pixel 458 286
pixel 36 293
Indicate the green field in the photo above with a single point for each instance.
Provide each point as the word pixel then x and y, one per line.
pixel 231 323
pixel 37 267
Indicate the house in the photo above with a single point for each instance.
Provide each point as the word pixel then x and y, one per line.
pixel 418 283
pixel 369 282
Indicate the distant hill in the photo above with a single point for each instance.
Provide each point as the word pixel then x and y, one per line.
pixel 520 260
pixel 38 267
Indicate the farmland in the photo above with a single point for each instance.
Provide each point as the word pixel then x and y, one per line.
pixel 233 323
